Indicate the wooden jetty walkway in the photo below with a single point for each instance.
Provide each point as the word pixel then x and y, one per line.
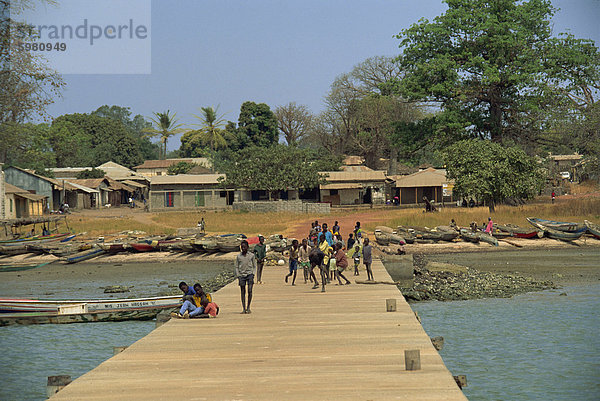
pixel 298 344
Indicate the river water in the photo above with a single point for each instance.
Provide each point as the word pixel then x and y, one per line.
pixel 536 346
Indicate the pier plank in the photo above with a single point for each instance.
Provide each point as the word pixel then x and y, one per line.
pixel 298 344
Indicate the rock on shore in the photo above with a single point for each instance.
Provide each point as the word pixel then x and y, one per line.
pixel 463 283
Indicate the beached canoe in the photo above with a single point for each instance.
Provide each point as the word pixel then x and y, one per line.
pixel 592 228
pixel 469 236
pixel 557 225
pixel 485 237
pixel 381 237
pixel 561 235
pixel 54 237
pixel 113 247
pixel 20 311
pixel 146 246
pixel 515 231
pixel 84 255
pixel 230 242
pixel 17 267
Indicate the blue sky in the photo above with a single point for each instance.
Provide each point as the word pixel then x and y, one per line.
pixel 209 53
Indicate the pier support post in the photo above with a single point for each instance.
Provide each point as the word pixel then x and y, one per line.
pixel 56 383
pixel 390 305
pixel 438 342
pixel 412 359
pixel 118 350
pixel 461 381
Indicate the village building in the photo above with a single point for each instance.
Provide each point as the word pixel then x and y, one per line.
pixel 189 191
pixel 21 203
pixel 564 167
pixel 97 192
pixel 354 185
pixel 151 168
pixel 430 183
pixel 35 184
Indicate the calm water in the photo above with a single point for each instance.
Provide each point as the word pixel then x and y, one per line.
pixel 29 354
pixel 536 346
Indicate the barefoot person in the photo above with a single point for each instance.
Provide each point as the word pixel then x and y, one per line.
pixel 293 262
pixel 303 259
pixel 341 262
pixel 368 259
pixel 245 268
pixel 260 252
pixel 316 260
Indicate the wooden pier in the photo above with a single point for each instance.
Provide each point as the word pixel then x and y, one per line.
pixel 298 344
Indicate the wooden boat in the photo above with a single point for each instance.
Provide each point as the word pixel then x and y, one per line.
pixel 208 244
pixel 13 250
pixel 424 233
pixel 501 231
pixel 469 236
pixel 55 237
pixel 84 255
pixel 381 237
pixel 230 242
pixel 557 225
pixel 16 267
pixel 485 237
pixel 113 247
pixel 27 311
pixel 561 235
pixel 592 228
pixel 446 233
pixel 147 246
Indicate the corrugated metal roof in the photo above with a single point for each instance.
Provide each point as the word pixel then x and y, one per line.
pixel 356 168
pixel 199 179
pixel 355 176
pixel 93 183
pixel 33 197
pixel 12 189
pixel 425 178
pixel 341 185
pixel 133 184
pixel 83 188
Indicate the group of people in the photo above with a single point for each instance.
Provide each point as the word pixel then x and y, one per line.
pixel 196 303
pixel 326 250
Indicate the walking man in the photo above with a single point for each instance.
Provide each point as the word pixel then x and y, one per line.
pixel 245 268
pixel 368 259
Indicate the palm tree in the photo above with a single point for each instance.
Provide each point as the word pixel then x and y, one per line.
pixel 166 126
pixel 210 128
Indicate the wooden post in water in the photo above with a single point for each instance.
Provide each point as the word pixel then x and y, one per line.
pixel 461 381
pixel 56 383
pixel 390 305
pixel 412 359
pixel 118 350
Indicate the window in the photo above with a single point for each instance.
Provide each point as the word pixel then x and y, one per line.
pixel 223 194
pixel 333 192
pixel 11 206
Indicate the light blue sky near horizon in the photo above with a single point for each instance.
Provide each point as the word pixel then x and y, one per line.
pixel 209 53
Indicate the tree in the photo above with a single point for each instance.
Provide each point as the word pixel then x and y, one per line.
pixel 210 132
pixel 180 168
pixel 294 121
pixel 91 173
pixel 277 168
pixel 28 146
pixel 492 172
pixel 137 125
pixel 166 126
pixel 89 140
pixel 488 62
pixel 258 123
pixel 27 84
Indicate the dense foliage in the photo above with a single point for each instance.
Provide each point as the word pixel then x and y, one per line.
pixel 91 173
pixel 492 172
pixel 180 168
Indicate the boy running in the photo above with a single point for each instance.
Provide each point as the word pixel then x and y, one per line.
pixel 293 262
pixel 303 253
pixel 341 262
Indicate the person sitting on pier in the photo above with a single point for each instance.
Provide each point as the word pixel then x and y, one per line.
pixel 187 291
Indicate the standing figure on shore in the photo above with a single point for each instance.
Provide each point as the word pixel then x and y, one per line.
pixel 312 234
pixel 260 252
pixel 490 226
pixel 245 268
pixel 341 262
pixel 350 242
pixel 303 253
pixel 553 196
pixel 368 259
pixel 317 227
pixel 326 249
pixel 357 232
pixel 336 228
pixel 293 262
pixel 316 260
pixel 356 259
